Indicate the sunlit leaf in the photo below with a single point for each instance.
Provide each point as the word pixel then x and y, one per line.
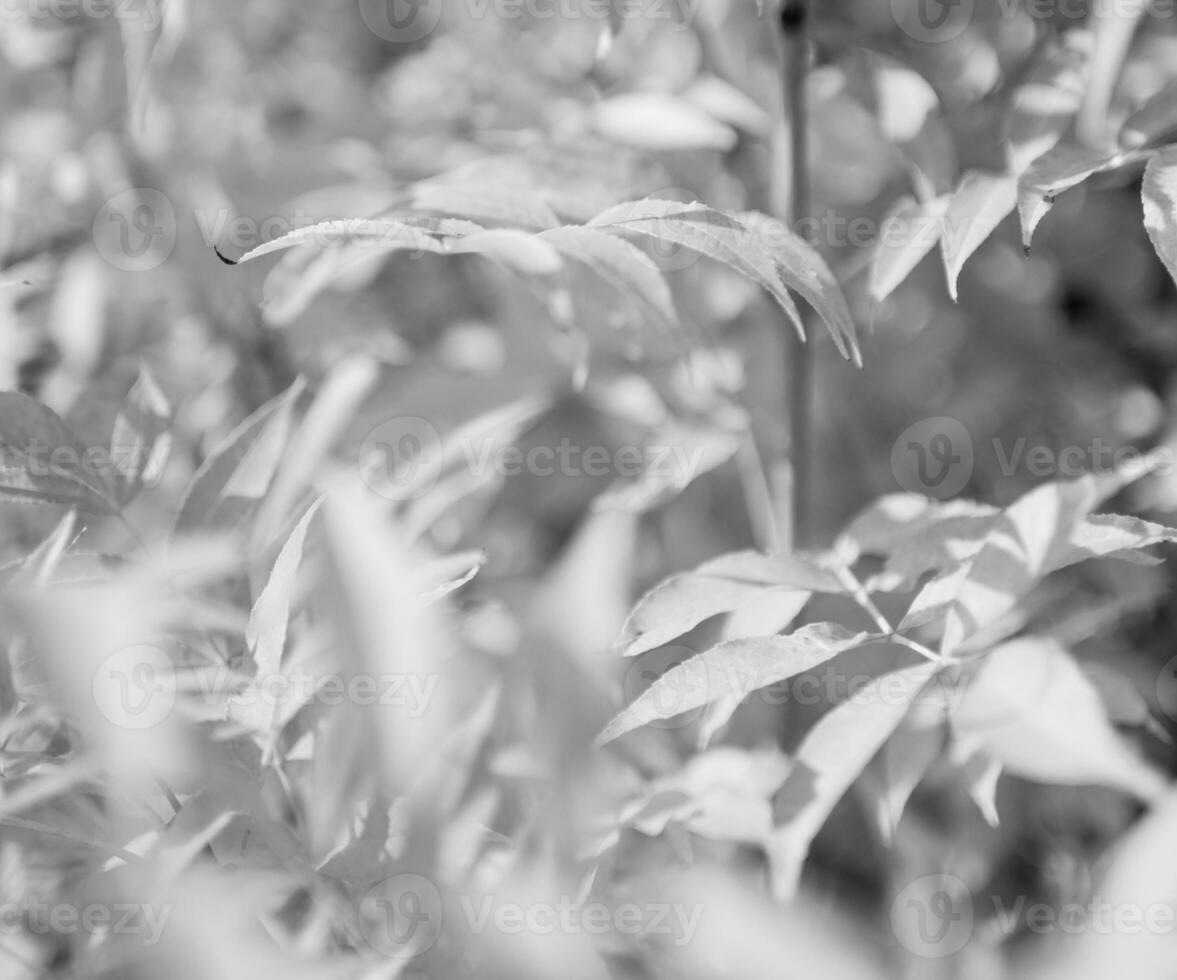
pixel 832 756
pixel 1160 206
pixel 979 205
pixel 909 232
pixel 723 585
pixel 735 668
pixel 1064 167
pixel 1031 708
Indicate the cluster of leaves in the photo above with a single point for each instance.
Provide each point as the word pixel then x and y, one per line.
pixel 993 693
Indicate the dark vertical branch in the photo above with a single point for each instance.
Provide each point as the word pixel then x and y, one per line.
pixel 795 485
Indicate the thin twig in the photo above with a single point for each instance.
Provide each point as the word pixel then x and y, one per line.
pixel 794 481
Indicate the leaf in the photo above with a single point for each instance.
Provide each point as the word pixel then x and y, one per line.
pixel 910 230
pixel 907 755
pixel 373 233
pixel 43 461
pixel 897 518
pixel 682 602
pixel 1154 123
pixel 834 754
pixel 735 668
pixel 141 440
pixel 518 250
pixel 1032 709
pixel 660 122
pixel 446 575
pixel 981 202
pixel 765 251
pixel 236 475
pixel 265 635
pixel 1064 167
pixel 626 268
pixel 715 234
pixel 1030 539
pixel 804 271
pixel 1160 206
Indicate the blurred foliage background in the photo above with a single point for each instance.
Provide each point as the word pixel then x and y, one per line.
pixel 251 117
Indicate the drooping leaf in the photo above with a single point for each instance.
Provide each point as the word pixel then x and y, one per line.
pixel 1063 167
pixel 803 270
pixel 736 668
pixel 1032 709
pixel 1160 206
pixel 626 268
pixel 682 602
pixel 981 202
pixel 910 230
pixel 236 475
pixel 834 754
pixel 43 461
pixel 141 440
pixel 700 229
